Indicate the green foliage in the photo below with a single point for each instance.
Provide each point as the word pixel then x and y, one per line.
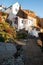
pixel 2 39
pixel 31 11
pixel 21 34
pixel 3 14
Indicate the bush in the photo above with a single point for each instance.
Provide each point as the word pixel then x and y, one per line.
pixel 21 34
pixel 2 39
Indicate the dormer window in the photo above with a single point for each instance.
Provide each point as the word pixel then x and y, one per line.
pixel 16 10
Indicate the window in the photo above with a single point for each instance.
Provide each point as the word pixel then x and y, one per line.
pixel 16 10
pixel 29 22
pixel 22 21
pixel 16 20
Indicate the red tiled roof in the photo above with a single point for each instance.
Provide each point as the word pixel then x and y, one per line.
pixel 29 13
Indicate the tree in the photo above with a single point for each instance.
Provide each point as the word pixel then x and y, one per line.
pixel 39 21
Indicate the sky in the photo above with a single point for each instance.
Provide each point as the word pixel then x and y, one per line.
pixel 34 5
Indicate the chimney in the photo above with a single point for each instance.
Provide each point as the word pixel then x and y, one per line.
pixel 20 7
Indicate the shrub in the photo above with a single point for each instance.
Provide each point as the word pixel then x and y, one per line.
pixel 21 34
pixel 2 39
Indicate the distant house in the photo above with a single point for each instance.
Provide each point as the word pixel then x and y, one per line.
pixel 2 8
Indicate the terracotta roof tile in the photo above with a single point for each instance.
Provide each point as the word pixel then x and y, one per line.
pixel 30 13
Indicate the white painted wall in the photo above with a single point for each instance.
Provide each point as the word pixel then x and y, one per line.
pixel 15 8
pixel 20 23
pixel 25 23
pixel 30 22
pixel 1 8
pixel 11 16
pixel 9 10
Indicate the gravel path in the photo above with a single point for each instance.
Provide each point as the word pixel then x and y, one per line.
pixel 32 53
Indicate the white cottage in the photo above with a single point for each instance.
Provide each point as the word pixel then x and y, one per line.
pixel 12 11
pixel 26 19
pixel 13 8
pixel 21 18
